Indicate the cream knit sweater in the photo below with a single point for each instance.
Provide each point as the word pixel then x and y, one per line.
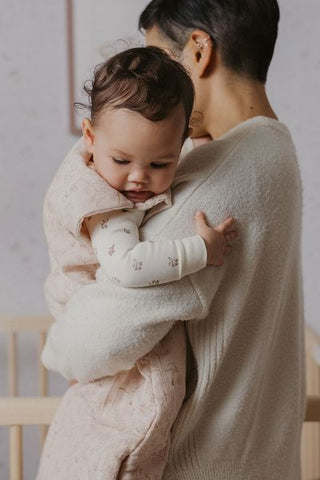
pixel 245 402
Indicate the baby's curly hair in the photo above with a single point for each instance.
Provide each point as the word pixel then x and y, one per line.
pixel 143 79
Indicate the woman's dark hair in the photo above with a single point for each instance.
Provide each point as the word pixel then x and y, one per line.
pixel 145 80
pixel 244 31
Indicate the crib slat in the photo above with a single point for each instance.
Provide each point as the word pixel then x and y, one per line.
pixel 43 433
pixel 43 372
pixel 316 427
pixel 12 364
pixel 305 452
pixel 310 445
pixel 16 457
pixel 43 384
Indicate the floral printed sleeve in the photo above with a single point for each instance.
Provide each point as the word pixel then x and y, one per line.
pixel 131 263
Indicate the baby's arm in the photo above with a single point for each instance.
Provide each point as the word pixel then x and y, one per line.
pixel 131 263
pixel 114 333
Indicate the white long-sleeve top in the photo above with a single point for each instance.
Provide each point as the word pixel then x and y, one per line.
pixel 131 263
pixel 246 397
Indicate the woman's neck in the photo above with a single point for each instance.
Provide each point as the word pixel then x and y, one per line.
pixel 232 100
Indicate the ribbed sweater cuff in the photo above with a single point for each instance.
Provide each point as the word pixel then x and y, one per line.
pixel 255 469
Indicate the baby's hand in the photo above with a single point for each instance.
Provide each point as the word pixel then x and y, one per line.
pixel 217 239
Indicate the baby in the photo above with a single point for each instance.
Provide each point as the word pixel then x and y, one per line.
pixel 114 179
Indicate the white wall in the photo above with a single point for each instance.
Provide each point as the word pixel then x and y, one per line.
pixel 294 88
pixel 34 138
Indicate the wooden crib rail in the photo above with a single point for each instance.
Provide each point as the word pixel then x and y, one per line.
pixel 18 411
pixel 24 323
pixel 27 410
pixel 12 325
pixel 14 411
pixel 40 410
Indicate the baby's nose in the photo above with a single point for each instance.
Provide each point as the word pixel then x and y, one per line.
pixel 139 175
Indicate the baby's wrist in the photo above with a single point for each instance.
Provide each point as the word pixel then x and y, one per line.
pixel 208 246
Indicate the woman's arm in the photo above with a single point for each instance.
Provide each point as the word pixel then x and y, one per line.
pixel 106 328
pixel 131 263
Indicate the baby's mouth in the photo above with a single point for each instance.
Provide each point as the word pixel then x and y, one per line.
pixel 136 197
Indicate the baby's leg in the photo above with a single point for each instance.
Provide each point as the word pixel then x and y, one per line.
pixel 118 428
pixel 83 443
pixel 164 372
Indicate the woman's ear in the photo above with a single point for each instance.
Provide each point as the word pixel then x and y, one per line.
pixel 199 53
pixel 88 134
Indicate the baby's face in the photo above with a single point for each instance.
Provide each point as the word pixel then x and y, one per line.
pixel 134 155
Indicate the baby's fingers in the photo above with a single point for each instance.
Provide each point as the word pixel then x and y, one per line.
pixel 227 249
pixel 200 219
pixel 223 226
pixel 229 236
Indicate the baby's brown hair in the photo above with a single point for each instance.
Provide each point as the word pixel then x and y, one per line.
pixel 143 79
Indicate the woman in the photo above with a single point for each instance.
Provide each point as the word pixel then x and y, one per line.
pixel 245 402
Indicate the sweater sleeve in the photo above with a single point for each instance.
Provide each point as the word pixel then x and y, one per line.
pixel 131 263
pixel 116 326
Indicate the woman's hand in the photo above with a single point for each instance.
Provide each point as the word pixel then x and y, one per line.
pixel 217 239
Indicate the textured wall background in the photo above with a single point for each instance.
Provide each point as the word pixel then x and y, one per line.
pixel 293 87
pixel 34 138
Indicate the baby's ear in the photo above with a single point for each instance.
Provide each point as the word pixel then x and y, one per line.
pixel 88 134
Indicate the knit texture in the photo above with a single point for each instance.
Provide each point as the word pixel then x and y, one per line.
pixel 245 402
